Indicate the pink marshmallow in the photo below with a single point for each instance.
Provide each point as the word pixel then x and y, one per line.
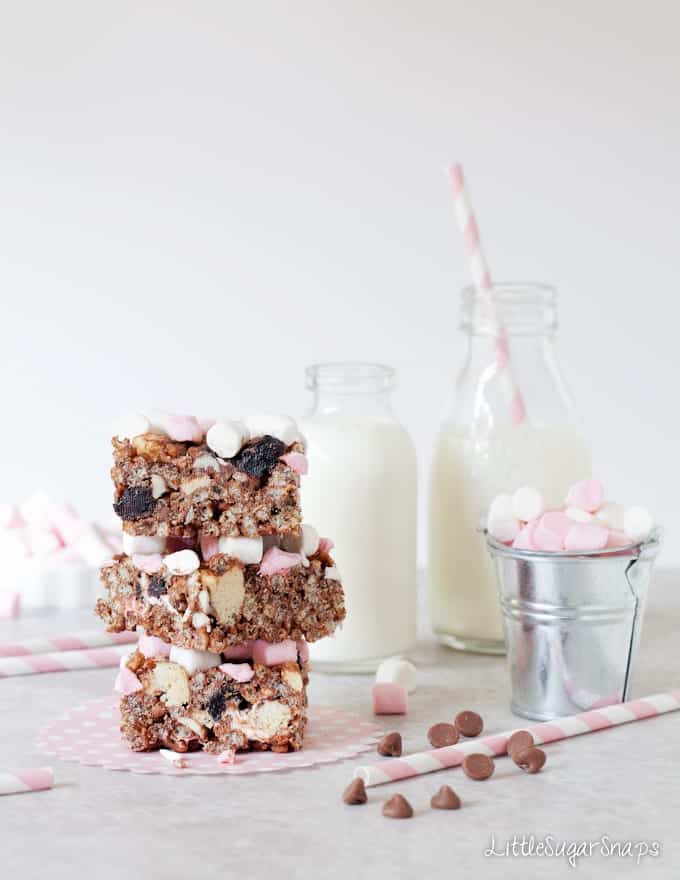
pixel 586 536
pixel 618 539
pixel 184 429
pixel 525 540
pixel 303 650
pixel 389 699
pixel 239 652
pixel 325 545
pixel 10 605
pixel 586 494
pixel 150 563
pixel 206 424
pixel 209 547
pixel 297 461
pixel 10 518
pixel 276 560
pixel 274 653
pixel 152 646
pixel 228 756
pixel 127 682
pixel 238 671
pixel 551 530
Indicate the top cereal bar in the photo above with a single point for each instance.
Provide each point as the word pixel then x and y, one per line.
pixel 177 477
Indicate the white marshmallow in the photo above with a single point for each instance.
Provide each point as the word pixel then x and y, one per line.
pixel 158 485
pixel 226 438
pixel 248 550
pixel 182 562
pixel 131 425
pixel 502 507
pixel 637 523
pixel 578 515
pixel 332 573
pixel 194 661
pixel 527 504
pixel 504 529
pixel 143 544
pixel 611 515
pixel 396 670
pixel 310 540
pixel 282 427
pixel 206 462
pixel 204 601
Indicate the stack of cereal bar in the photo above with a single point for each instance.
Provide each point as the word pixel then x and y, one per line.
pixel 222 579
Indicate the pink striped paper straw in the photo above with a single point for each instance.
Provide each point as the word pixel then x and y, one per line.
pixel 75 641
pixel 62 661
pixel 547 732
pixel 481 278
pixel 30 779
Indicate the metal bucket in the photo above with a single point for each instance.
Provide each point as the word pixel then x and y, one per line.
pixel 572 624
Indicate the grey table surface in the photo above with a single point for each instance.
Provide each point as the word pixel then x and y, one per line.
pixel 622 784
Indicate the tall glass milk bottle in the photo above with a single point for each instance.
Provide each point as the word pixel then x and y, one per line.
pixel 361 493
pixel 480 452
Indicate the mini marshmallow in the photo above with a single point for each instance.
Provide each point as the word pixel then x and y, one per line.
pixel 158 485
pixel 206 424
pixel 194 661
pixel 618 539
pixel 131 425
pixel 206 462
pixel 303 650
pixel 276 560
pixel 502 507
pixel 577 514
pixel 226 437
pixel 150 563
pixel 297 461
pixel 396 670
pixel 184 429
pixel 310 540
pixel 586 536
pixel 389 699
pixel 527 504
pixel 638 522
pixel 332 573
pixel 249 551
pixel 586 494
pixel 279 426
pixel 549 535
pixel 611 515
pixel 502 529
pixel 325 546
pixel 238 671
pixel 126 682
pixel 152 646
pixel 182 562
pixel 228 756
pixel 239 652
pixel 143 544
pixel 274 653
pixel 525 539
pixel 209 547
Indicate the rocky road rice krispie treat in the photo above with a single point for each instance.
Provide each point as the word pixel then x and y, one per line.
pixel 175 476
pixel 228 597
pixel 204 703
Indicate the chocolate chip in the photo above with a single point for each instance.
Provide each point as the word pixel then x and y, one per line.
pixel 397 807
pixel 531 760
pixel 390 745
pixel 136 502
pixel 442 734
pixel 445 799
pixel 520 740
pixel 469 723
pixel 259 457
pixel 478 766
pixel 216 705
pixel 157 586
pixel 355 793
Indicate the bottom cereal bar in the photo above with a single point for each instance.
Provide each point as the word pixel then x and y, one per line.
pixel 238 705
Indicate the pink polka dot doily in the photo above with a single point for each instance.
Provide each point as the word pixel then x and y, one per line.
pixel 89 734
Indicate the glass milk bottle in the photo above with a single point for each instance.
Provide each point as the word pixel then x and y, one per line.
pixel 361 493
pixel 480 452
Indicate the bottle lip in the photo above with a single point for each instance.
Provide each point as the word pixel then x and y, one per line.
pixel 350 377
pixel 523 307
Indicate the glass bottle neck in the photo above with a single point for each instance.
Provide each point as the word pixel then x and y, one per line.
pixel 352 389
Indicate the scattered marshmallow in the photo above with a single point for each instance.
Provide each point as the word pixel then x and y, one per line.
pixel 182 562
pixel 297 461
pixel 143 544
pixel 396 670
pixel 586 494
pixel 586 536
pixel 149 563
pixel 389 698
pixel 238 671
pixel 194 661
pixel 184 429
pixel 279 426
pixel 527 504
pixel 226 437
pixel 176 759
pixel 577 514
pixel 274 653
pixel 126 682
pixel 310 540
pixel 276 560
pixel 249 551
pixel 131 425
pixel 152 646
pixel 228 756
pixel 638 523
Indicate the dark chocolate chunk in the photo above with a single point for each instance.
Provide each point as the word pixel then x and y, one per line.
pixel 259 457
pixel 157 586
pixel 136 502
pixel 355 793
pixel 397 807
pixel 445 799
pixel 216 705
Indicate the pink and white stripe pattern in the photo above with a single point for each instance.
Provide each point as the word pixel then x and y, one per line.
pixel 62 661
pixel 481 278
pixel 75 641
pixel 547 732
pixel 30 779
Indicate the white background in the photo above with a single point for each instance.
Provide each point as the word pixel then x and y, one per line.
pixel 198 199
